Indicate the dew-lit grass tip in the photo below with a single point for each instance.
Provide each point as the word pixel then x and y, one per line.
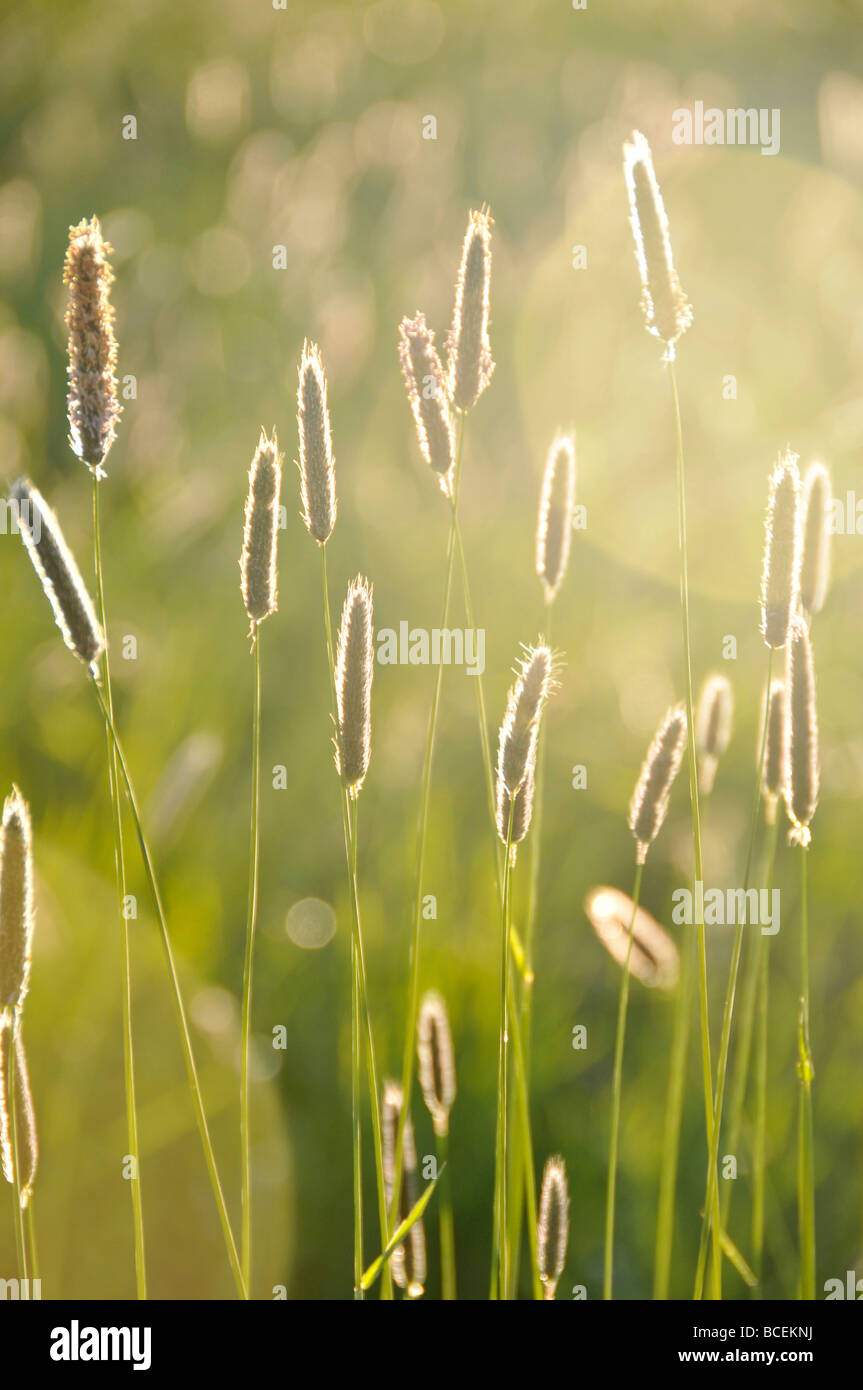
pixel 429 398
pixel 258 568
pixel 469 359
pixel 316 462
pixel 408 1261
pixel 713 719
pixel 552 1226
pixel 27 1143
pixel 653 959
pixel 801 778
pixel 520 728
pixel 556 506
pixel 436 1060
pixel 815 500
pixel 774 748
pixel 649 804
pixel 58 573
pixel 780 574
pixel 16 902
pixel 667 313
pixel 93 407
pixel 354 670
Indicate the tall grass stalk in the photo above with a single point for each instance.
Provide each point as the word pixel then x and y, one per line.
pixel 14 1154
pixel 248 967
pixel 125 952
pixel 616 1088
pixel 706 1068
pixel 408 1057
pixel 185 1036
pixel 759 1155
pixel 673 1117
pixel 806 1071
pixel 359 1007
pixel 525 1143
pixel 500 1251
pixel 711 1188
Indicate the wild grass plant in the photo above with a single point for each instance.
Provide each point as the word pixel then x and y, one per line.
pixel 414 1195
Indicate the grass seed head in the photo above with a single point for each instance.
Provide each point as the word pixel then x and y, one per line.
pixel 654 958
pixel 649 804
pixel 27 1142
pixel 713 727
pixel 780 575
pixel 552 1226
pixel 60 577
pixel 815 537
pixel 436 1060
pixel 666 310
pixel 469 359
pixel 93 407
pixel 520 728
pixel 316 463
pixel 354 669
pixel 801 773
pixel 261 532
pixel 429 398
pixel 556 505
pixel 407 1262
pixel 16 903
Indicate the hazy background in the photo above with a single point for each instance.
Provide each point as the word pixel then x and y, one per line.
pixel 303 128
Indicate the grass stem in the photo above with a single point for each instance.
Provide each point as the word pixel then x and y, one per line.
pixel 248 970
pixel 806 1071
pixel 616 1090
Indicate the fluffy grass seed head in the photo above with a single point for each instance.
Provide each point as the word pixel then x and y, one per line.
pixel 552 1225
pixel 815 538
pixel 93 407
pixel 516 759
pixel 407 1262
pixel 666 310
pixel 713 727
pixel 354 669
pixel 258 572
pixel 801 770
pixel 25 1114
pixel 774 749
pixel 316 462
pixel 649 804
pixel 16 903
pixel 469 360
pixel 654 958
pixel 556 505
pixel 780 574
pixel 60 577
pixel 429 398
pixel 436 1060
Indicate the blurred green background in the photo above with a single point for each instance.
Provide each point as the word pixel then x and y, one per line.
pixel 302 127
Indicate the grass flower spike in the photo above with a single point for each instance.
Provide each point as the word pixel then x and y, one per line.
pixel 27 1143
pixel 774 751
pixel 653 957
pixel 469 359
pixel 436 1060
pixel 713 727
pixel 801 767
pixel 429 399
pixel 92 348
pixel 667 313
pixel 354 670
pixel 16 904
pixel 556 504
pixel 780 575
pixel 649 804
pixel 408 1262
pixel 815 538
pixel 552 1227
pixel 60 577
pixel 261 533
pixel 316 462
